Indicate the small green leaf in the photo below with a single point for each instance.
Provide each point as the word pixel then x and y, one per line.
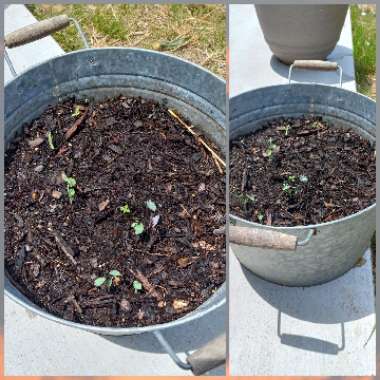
pixel 108 282
pixel 70 194
pixel 50 141
pixel 76 111
pixel 115 273
pixel 70 181
pixel 252 198
pixel 151 205
pixel 260 217
pixel 137 286
pixel 138 227
pixel 99 281
pixel 291 178
pixel 125 209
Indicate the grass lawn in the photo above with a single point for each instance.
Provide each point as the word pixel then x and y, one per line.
pixel 364 39
pixel 194 32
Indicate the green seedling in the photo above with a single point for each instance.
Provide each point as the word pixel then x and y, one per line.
pixel 303 178
pixel 244 199
pixel 76 111
pixel 71 194
pixel 291 178
pixel 260 217
pixel 71 184
pixel 151 205
pixel 252 198
pixel 125 209
pixel 100 281
pixel 50 141
pixel 286 129
pixel 113 274
pixel 286 188
pixel 138 227
pixel 137 285
pixel 270 149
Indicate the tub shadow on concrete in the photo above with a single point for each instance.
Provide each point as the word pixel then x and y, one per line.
pixel 336 302
pixel 185 338
pixel 309 343
pixel 324 304
pixel 308 76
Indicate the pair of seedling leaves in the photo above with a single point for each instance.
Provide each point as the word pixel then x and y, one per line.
pixel 114 275
pixel 137 226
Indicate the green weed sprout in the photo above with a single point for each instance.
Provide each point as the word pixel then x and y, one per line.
pixel 70 187
pixel 50 141
pixel 125 209
pixel 137 285
pixel 138 228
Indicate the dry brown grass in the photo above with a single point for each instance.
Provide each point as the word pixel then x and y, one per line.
pixel 194 32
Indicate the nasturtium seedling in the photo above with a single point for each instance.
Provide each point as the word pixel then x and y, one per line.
pixel 137 285
pixel 260 217
pixel 252 198
pixel 285 187
pixel 138 227
pixel 271 148
pixel 125 209
pixel 71 183
pixel 71 194
pixel 151 205
pixel 76 111
pixel 99 281
pixel 115 273
pixel 50 141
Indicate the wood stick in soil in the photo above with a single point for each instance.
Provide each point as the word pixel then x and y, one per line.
pixel 73 129
pixel 64 247
pixel 200 140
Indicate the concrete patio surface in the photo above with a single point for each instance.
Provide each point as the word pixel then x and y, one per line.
pixel 35 346
pixel 282 331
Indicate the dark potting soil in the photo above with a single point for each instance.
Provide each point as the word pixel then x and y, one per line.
pixel 301 171
pixel 125 236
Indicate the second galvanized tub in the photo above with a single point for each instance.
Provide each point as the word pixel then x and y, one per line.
pixel 336 246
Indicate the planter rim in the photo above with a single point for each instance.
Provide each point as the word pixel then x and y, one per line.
pixel 307 227
pixel 131 49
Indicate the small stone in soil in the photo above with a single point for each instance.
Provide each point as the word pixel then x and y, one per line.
pixel 56 194
pixel 180 304
pixel 36 142
pixel 125 305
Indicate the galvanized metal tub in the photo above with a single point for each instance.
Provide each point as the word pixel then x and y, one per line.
pixel 336 246
pixel 99 73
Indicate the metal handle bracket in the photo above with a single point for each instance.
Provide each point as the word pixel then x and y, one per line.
pixel 37 31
